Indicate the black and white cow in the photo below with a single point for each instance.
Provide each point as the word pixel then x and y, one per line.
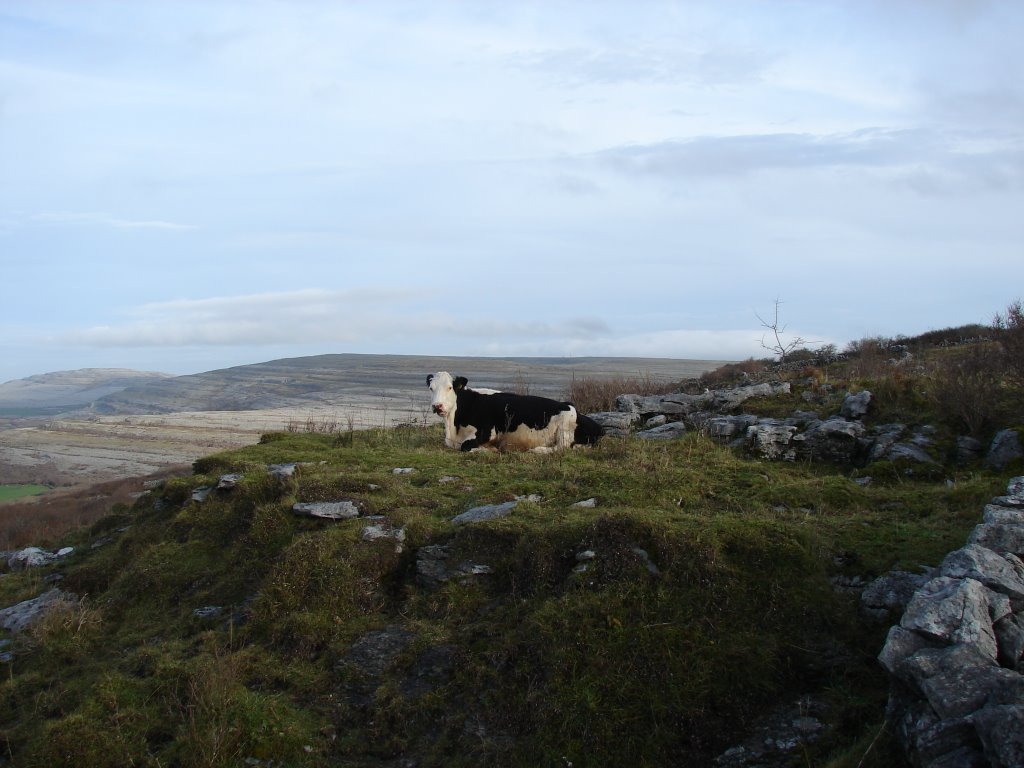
pixel 486 418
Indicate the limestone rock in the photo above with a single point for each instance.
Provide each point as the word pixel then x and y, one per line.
pixel 19 617
pixel 35 557
pixel 771 438
pixel 855 406
pixel 1010 641
pixel 999 537
pixel 956 681
pixel 835 440
pixel 892 592
pixel 328 510
pixel 616 423
pixel 953 611
pixel 984 565
pixel 1001 729
pixel 485 512
pixel 1006 447
pixel 669 431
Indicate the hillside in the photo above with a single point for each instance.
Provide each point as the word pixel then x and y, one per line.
pixel 338 379
pixel 692 591
pixel 66 390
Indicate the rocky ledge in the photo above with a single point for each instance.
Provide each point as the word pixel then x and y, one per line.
pixel 956 657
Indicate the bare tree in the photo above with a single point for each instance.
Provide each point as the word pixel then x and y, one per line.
pixel 780 348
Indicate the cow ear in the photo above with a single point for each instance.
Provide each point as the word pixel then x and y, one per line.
pixel 460 383
pixel 430 378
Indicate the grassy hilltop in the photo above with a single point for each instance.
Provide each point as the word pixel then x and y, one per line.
pixel 651 629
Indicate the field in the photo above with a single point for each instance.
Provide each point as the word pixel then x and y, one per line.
pixel 14 492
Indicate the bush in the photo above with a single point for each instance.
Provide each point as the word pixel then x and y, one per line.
pixel 1010 335
pixel 968 388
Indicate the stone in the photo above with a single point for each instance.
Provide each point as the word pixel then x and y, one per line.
pixel 909 451
pixel 1006 447
pixel 1010 640
pixel 227 482
pixel 485 512
pixel 616 423
pixel 855 406
pixel 328 510
pixel 999 537
pixel 953 611
pixel 900 645
pixel 374 652
pixel 199 495
pixel 835 440
pixel 968 449
pixel 19 617
pixel 1001 729
pixel 984 565
pixel 728 428
pixel 282 471
pixel 671 431
pixel 403 471
pixel 997 513
pixel 656 421
pixel 956 681
pixel 35 557
pixel 771 438
pixel 1015 488
pixel 432 564
pixel 384 532
pixel 586 503
pixel 208 612
pixel 883 438
pixel 892 592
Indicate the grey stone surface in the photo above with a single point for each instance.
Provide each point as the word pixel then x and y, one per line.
pixel 485 512
pixel 855 406
pixel 20 616
pixel 670 431
pixel 984 565
pixel 953 611
pixel 1006 447
pixel 344 509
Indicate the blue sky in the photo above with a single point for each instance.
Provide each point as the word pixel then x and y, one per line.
pixel 192 185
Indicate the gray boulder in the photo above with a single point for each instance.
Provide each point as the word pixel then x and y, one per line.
pixel 855 406
pixel 670 431
pixel 771 439
pixel 955 681
pixel 836 440
pixel 616 423
pixel 984 565
pixel 485 512
pixel 19 617
pixel 999 537
pixel 1010 640
pixel 35 557
pixel 1006 447
pixel 968 449
pixel 328 510
pixel 1001 729
pixel 892 592
pixel 955 611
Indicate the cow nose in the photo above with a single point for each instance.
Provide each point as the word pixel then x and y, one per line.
pixel 439 409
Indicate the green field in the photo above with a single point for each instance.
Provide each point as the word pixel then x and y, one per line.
pixel 15 492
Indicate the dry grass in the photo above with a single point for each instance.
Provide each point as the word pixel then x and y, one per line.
pixel 44 519
pixel 591 395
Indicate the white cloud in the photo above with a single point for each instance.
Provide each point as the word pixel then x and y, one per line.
pixel 68 218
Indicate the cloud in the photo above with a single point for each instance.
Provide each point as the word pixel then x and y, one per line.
pixel 926 161
pixel 313 316
pixel 67 218
pixel 733 155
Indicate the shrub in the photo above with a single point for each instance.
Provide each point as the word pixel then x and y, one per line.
pixel 967 387
pixel 1010 335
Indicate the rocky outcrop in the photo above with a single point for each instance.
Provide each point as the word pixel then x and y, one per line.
pixel 842 438
pixel 956 657
pixel 19 617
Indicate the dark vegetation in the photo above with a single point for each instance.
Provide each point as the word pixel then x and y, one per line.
pixel 660 658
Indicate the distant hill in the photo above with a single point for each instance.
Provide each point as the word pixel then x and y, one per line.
pixel 317 380
pixel 67 390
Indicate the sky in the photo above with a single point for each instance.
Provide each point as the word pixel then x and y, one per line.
pixel 187 186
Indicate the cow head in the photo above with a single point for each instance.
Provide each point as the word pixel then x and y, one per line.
pixel 445 388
